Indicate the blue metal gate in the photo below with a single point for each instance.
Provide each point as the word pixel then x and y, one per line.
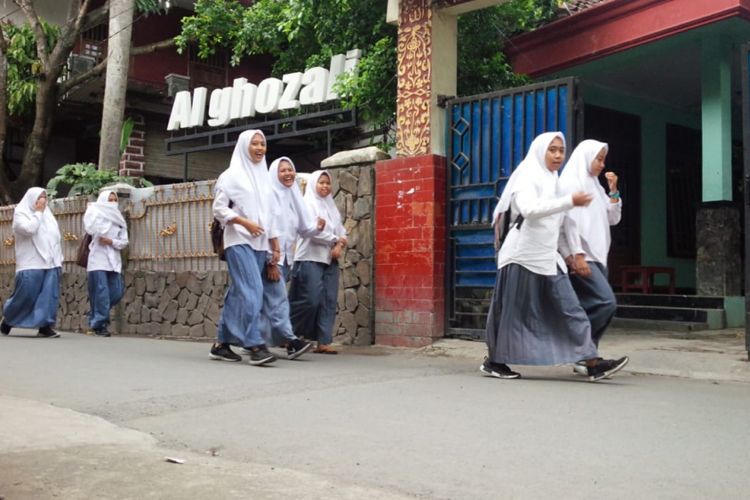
pixel 488 135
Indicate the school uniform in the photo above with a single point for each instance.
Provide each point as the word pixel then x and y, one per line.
pixel 315 276
pixel 590 235
pixel 104 269
pixel 535 317
pixel 39 258
pixel 247 186
pixel 293 220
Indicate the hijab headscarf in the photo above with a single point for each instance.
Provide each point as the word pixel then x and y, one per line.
pixel 247 184
pixel 531 171
pixel 289 197
pixel 592 221
pixel 47 238
pixel 325 208
pixel 102 214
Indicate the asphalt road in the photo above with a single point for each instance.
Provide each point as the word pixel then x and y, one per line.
pixel 379 424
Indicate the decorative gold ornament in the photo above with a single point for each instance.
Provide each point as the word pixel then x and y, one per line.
pixel 9 242
pixel 169 230
pixel 68 236
pixel 414 78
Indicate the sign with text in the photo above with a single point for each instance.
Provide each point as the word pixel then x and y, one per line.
pixel 245 100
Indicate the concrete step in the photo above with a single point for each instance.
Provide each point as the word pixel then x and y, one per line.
pixel 658 325
pixel 714 318
pixel 663 300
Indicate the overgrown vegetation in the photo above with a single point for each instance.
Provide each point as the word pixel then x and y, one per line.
pixel 85 179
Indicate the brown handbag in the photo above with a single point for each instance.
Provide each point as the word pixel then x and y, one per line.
pixel 82 255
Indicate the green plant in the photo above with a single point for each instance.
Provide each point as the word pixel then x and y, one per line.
pixel 85 179
pixel 127 130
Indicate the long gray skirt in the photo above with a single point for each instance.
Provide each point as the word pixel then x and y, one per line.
pixel 536 320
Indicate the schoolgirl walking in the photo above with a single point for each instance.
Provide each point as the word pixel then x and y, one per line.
pixel 315 277
pixel 39 258
pixel 109 236
pixel 244 204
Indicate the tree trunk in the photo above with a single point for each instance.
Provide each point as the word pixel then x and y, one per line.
pixel 115 87
pixel 38 139
pixel 6 196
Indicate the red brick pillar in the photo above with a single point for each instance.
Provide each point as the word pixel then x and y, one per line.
pixel 410 250
pixel 133 161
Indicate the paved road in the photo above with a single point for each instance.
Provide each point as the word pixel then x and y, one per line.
pixel 369 423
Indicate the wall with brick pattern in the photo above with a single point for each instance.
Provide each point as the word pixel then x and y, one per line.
pixel 410 250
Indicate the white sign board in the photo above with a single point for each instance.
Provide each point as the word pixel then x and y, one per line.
pixel 245 100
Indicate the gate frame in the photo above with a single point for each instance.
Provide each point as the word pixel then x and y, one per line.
pixel 575 130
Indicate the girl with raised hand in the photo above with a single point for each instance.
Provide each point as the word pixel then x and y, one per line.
pixel 586 247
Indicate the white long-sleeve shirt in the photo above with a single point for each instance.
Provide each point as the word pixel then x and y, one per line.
pixel 573 242
pixel 235 234
pixel 107 257
pixel 317 247
pixel 535 245
pixel 27 256
pixel 290 228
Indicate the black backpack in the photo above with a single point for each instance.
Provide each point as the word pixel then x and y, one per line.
pixel 503 225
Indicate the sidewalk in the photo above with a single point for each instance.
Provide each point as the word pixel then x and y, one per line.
pixel 708 355
pixel 50 452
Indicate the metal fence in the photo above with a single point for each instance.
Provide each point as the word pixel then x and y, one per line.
pixel 169 229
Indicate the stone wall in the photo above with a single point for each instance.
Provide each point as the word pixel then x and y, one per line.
pixel 718 262
pixel 353 180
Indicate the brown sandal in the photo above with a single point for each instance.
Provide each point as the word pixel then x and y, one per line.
pixel 325 349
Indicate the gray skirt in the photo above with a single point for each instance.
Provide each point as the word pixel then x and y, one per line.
pixel 536 320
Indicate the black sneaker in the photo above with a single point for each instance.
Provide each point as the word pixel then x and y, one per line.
pixel 497 370
pixel 5 327
pixel 222 352
pixel 259 355
pixel 47 332
pixel 296 348
pixel 580 368
pixel 102 332
pixel 606 367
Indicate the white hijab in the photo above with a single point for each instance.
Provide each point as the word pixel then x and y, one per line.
pixel 247 184
pixel 47 238
pixel 290 198
pixel 592 221
pixel 531 171
pixel 102 214
pixel 325 208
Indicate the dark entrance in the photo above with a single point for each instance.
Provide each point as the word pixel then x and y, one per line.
pixel 622 132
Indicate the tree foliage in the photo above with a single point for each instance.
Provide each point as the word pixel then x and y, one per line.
pixel 24 66
pixel 483 34
pixel 306 33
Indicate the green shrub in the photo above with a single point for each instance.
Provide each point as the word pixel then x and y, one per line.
pixel 86 179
